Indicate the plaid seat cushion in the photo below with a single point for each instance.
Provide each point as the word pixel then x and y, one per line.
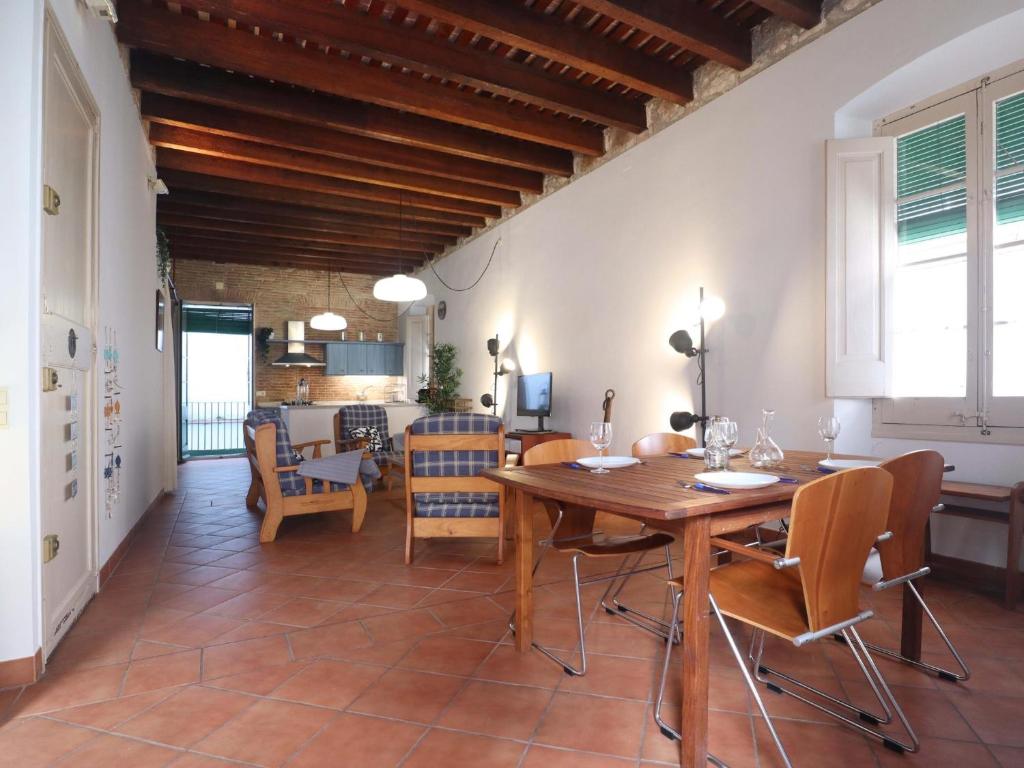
pixel 292 484
pixel 457 510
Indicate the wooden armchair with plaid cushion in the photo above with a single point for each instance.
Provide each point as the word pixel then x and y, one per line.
pixel 444 496
pixel 365 426
pixel 274 461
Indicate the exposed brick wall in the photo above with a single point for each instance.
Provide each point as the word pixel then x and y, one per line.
pixel 280 294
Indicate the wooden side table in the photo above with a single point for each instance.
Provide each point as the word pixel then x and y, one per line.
pixel 529 439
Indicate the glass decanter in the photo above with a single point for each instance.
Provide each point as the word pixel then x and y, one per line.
pixel 766 452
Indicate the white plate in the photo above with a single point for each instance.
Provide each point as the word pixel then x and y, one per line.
pixel 740 481
pixel 698 453
pixel 610 462
pixel 848 463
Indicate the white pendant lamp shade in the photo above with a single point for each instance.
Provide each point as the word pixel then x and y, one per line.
pixel 328 321
pixel 399 288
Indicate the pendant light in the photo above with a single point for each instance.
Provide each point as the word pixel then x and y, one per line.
pixel 328 321
pixel 399 287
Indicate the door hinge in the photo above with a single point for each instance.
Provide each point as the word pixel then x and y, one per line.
pixel 51 200
pixel 51 546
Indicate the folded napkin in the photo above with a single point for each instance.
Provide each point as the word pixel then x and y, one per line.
pixel 339 468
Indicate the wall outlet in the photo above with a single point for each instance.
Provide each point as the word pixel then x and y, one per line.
pixel 261 393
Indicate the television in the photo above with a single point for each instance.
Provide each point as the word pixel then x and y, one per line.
pixel 533 397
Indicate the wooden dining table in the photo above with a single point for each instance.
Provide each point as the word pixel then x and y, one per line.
pixel 652 492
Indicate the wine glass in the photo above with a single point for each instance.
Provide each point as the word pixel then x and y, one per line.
pixel 600 438
pixel 828 430
pixel 730 432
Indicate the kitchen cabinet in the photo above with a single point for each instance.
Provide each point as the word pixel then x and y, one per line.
pixel 364 358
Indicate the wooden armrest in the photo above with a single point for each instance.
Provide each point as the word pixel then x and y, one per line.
pixel 292 468
pixel 308 443
pixel 750 552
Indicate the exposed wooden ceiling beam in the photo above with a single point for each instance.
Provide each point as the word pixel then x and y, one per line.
pixel 306 228
pixel 412 204
pixel 325 141
pixel 521 27
pixel 283 199
pixel 227 242
pixel 339 26
pixel 804 13
pixel 686 24
pixel 162 75
pixel 173 34
pixel 288 262
pixel 183 221
pixel 225 195
pixel 213 145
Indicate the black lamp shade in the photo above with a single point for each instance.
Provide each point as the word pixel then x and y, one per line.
pixel 682 343
pixel 683 420
pixel 492 346
pixel 486 400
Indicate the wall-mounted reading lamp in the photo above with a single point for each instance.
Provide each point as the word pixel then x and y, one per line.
pixel 710 309
pixel 500 369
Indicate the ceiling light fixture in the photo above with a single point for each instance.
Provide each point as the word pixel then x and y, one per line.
pixel 328 321
pixel 399 287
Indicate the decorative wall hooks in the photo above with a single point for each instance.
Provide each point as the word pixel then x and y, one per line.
pixel 112 415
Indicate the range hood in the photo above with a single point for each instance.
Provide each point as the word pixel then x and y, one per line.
pixel 296 354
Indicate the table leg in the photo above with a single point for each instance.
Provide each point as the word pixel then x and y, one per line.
pixel 696 626
pixel 523 506
pixel 911 625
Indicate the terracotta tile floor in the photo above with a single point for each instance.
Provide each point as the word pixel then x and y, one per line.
pixel 323 649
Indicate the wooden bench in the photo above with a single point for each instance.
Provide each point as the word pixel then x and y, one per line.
pixel 1013 517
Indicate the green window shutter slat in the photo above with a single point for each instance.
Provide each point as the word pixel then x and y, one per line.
pixel 932 157
pixel 1009 131
pixel 930 217
pixel 1010 199
pixel 208 319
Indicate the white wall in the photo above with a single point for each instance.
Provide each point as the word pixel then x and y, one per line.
pixel 127 285
pixel 591 281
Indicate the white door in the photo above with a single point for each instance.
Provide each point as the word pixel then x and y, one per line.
pixel 417 352
pixel 67 403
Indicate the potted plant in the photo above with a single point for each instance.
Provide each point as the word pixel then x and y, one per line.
pixel 263 337
pixel 442 388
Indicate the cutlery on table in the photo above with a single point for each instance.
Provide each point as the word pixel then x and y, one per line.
pixel 791 480
pixel 573 465
pixel 702 487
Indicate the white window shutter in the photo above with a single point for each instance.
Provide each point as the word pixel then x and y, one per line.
pixel 860 241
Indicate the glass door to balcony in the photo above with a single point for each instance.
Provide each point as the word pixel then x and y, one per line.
pixel 216 378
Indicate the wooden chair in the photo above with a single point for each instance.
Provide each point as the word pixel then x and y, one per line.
pixel 661 444
pixel 444 454
pixel 574 534
pixel 364 415
pixel 272 461
pixel 810 593
pixel 917 481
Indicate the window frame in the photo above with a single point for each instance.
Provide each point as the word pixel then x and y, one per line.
pixel 978 416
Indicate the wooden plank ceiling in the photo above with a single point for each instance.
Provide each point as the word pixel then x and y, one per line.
pixel 367 136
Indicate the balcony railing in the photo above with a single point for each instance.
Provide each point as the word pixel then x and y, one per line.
pixel 212 428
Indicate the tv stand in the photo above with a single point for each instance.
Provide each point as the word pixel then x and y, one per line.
pixel 528 438
pixel 540 430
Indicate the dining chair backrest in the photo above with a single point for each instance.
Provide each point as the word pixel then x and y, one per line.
pixel 833 525
pixel 555 451
pixel 661 443
pixel 917 484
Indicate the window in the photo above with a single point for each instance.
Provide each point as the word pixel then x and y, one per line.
pixel 955 325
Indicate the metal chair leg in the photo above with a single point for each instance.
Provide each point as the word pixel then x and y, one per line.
pixel 762 671
pixel 667 730
pixel 569 669
pixel 944 674
pixel 875 680
pixel 637 618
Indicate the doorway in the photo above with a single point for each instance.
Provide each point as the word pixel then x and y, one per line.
pixel 216 378
pixel 68 403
